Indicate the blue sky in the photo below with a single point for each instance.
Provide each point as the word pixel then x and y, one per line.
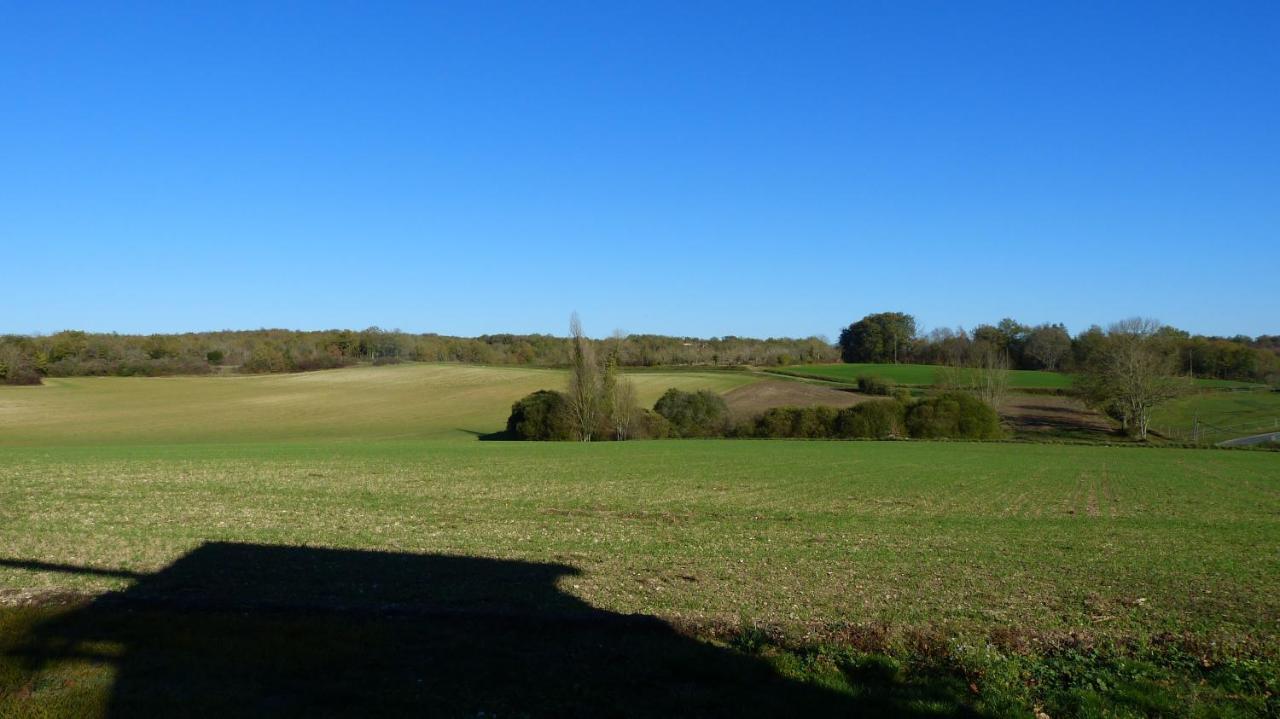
pixel 684 168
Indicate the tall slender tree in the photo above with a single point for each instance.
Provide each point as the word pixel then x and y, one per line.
pixel 584 382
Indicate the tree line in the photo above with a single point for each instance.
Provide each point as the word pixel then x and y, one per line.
pixel 894 337
pixel 26 359
pixel 599 403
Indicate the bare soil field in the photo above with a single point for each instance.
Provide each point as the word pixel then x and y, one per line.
pixel 1039 416
pixel 752 399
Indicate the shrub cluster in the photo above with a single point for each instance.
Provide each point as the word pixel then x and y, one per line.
pixel 694 414
pixel 876 385
pixel 953 415
pixel 871 420
pixel 545 416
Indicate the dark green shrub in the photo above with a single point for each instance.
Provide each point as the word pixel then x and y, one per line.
pixel 214 356
pixel 792 422
pixel 775 422
pixel 876 385
pixel 694 414
pixel 817 422
pixel 541 416
pixel 954 415
pixel 874 420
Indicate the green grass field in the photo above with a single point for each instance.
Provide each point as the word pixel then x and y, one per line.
pixel 925 375
pixel 921 375
pixel 890 578
pixel 1222 415
pixel 417 401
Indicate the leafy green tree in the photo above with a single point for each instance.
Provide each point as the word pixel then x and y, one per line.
pixel 877 337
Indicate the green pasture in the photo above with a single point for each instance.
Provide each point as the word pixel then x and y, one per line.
pixel 1221 415
pixel 921 374
pixel 418 401
pixel 883 578
pixel 925 375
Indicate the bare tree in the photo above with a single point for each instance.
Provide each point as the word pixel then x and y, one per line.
pixel 1132 374
pixel 990 374
pixel 1048 344
pixel 584 382
pixel 618 392
pixel 981 368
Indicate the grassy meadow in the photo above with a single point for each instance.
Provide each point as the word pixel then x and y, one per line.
pixel 1222 415
pixel 410 401
pixel 925 375
pixel 920 374
pixel 348 524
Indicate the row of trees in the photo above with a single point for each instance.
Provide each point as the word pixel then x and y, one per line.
pixel 893 337
pixel 26 359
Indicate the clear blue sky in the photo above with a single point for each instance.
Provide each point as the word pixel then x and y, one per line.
pixel 682 168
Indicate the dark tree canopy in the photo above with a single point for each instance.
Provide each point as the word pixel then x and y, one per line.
pixel 882 337
pixel 694 414
pixel 541 416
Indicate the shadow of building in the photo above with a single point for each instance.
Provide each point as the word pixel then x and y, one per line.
pixel 255 630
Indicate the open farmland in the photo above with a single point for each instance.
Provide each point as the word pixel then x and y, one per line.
pixel 898 578
pixel 925 375
pixel 920 374
pixel 418 401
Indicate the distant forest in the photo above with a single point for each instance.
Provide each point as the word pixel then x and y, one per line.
pixel 886 337
pixel 24 359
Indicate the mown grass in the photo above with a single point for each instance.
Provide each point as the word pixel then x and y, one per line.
pixel 909 578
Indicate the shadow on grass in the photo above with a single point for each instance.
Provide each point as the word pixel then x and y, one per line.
pixel 255 630
pixel 501 436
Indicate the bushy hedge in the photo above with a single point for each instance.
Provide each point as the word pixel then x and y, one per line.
pixel 872 420
pixel 694 414
pixel 650 425
pixel 792 423
pixel 876 385
pixel 953 415
pixel 541 416
pixel 544 415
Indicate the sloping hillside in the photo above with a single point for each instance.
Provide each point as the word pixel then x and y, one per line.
pixel 408 401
